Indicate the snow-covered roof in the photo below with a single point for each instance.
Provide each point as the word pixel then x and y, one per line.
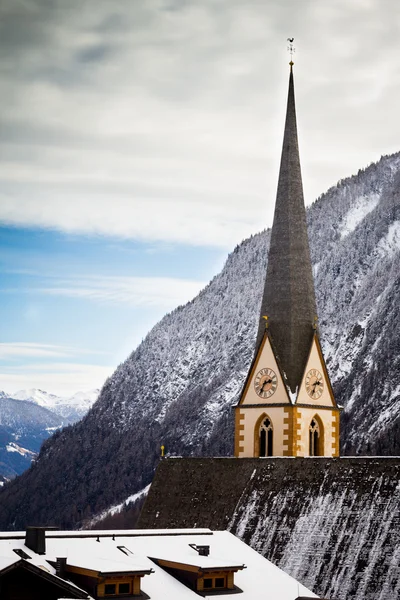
pixel 101 551
pixel 8 557
pixel 88 555
pixel 6 561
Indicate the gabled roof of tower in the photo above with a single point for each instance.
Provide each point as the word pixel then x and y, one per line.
pixel 289 299
pixel 254 365
pixel 326 377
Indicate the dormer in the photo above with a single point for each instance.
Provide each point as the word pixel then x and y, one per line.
pixel 105 584
pixel 200 571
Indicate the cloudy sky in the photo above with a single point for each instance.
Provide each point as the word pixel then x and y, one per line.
pixel 140 141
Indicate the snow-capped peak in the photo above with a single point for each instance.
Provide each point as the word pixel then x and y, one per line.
pixel 73 407
pixel 37 396
pixel 83 398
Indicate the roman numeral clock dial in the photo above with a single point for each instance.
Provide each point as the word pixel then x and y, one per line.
pixel 265 383
pixel 314 384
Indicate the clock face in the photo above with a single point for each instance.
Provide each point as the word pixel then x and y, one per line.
pixel 265 383
pixel 314 384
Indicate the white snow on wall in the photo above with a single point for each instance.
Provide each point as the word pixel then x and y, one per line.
pixel 350 541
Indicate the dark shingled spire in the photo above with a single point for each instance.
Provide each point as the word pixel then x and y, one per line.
pixel 289 299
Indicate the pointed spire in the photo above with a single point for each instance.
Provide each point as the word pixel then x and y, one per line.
pixel 289 299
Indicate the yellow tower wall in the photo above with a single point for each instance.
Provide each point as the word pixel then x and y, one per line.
pixel 290 422
pixel 328 421
pixel 248 423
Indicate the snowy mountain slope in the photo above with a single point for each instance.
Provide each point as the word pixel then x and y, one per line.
pixel 23 427
pixel 71 408
pixel 178 387
pixel 34 415
pixel 358 291
pixel 340 540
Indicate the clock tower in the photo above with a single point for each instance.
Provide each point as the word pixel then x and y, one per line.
pixel 287 406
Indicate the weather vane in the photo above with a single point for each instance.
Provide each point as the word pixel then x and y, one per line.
pixel 291 49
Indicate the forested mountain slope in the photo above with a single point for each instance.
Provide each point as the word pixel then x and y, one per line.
pixel 177 388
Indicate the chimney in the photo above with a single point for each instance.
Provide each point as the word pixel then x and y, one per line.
pixel 35 539
pixel 202 550
pixel 61 564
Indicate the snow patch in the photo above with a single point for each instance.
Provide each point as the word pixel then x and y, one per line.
pixel 117 508
pixel 396 393
pixel 292 395
pixel 354 396
pixel 361 207
pixel 221 397
pixel 179 376
pixel 245 518
pixel 386 416
pixel 390 244
pixel 11 447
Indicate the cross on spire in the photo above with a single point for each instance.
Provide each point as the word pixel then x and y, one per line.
pixel 292 50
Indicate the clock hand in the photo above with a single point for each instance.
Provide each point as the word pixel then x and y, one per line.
pixel 265 382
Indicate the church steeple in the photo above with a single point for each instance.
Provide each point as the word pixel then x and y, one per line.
pixel 287 406
pixel 289 299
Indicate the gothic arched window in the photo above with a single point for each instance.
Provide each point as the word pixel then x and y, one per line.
pixel 315 438
pixel 266 438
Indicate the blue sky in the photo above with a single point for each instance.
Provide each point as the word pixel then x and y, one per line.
pixel 77 305
pixel 140 142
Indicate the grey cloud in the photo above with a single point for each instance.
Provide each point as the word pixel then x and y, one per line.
pixel 113 23
pixel 94 54
pixel 136 89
